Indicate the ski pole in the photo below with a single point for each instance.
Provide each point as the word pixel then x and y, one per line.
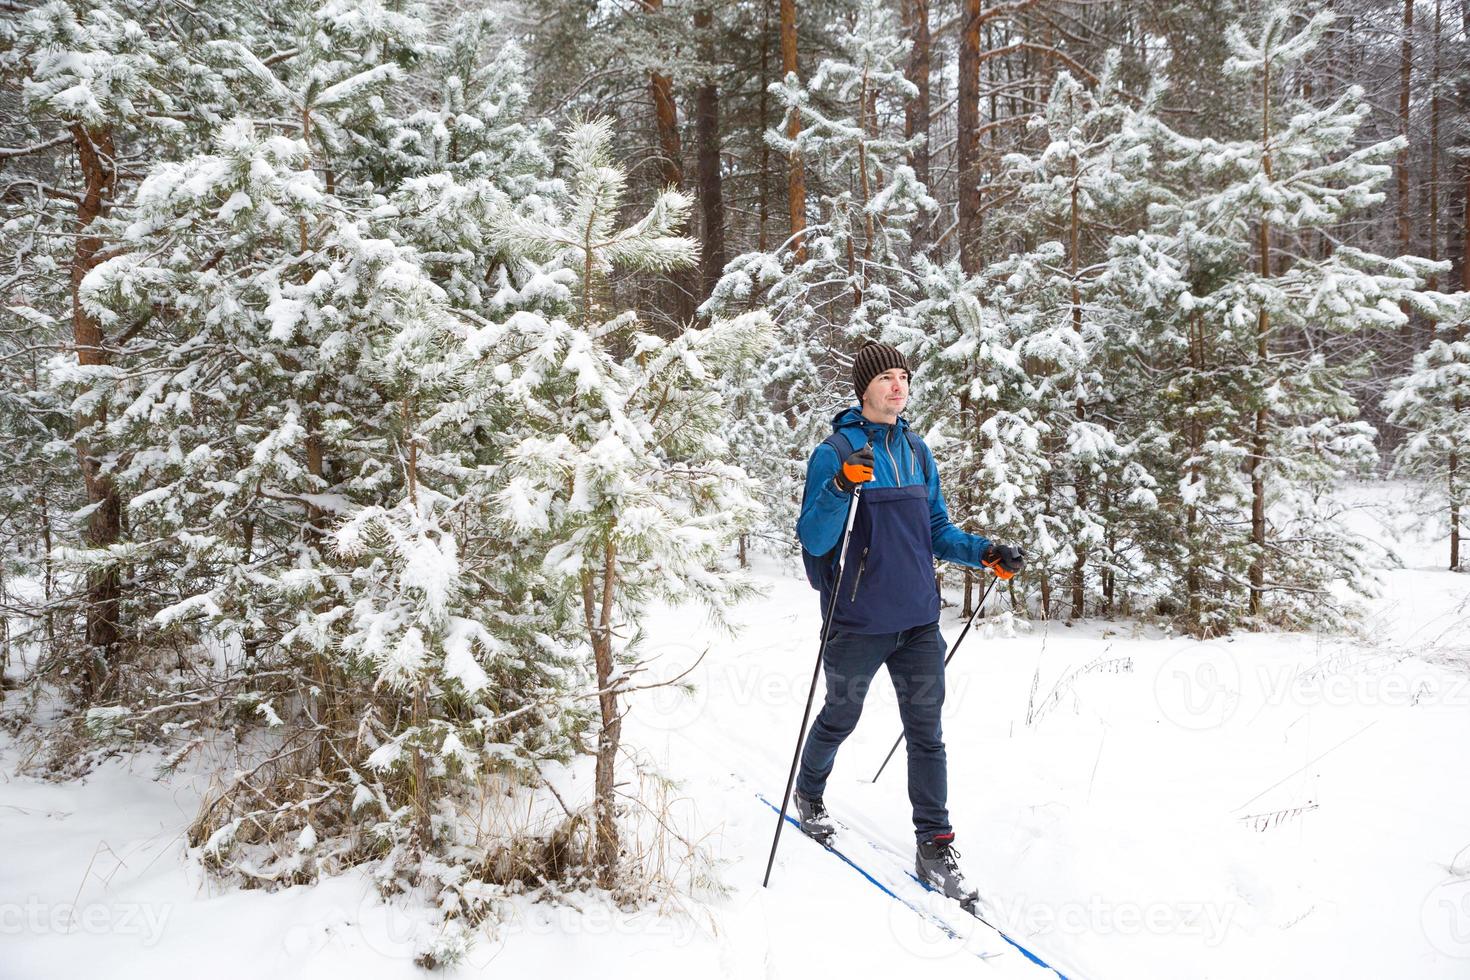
pixel 816 672
pixel 978 606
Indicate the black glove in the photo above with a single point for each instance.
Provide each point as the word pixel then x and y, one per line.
pixel 1004 560
pixel 857 468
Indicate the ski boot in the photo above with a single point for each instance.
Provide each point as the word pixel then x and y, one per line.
pixel 812 815
pixel 937 864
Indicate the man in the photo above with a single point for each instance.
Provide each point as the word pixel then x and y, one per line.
pixel 887 604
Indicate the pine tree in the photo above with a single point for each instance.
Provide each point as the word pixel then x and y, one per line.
pixel 1279 426
pixel 91 72
pixel 851 276
pixel 1086 180
pixel 314 447
pixel 1432 402
pixel 619 487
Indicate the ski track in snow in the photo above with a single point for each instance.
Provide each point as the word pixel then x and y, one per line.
pixel 1263 805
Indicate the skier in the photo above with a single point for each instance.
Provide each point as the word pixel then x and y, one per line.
pixel 887 608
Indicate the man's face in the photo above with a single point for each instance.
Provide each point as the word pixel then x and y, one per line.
pixel 888 393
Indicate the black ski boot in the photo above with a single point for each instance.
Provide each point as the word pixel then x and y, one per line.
pixel 812 814
pixel 937 863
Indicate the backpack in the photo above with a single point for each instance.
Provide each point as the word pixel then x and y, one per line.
pixel 821 570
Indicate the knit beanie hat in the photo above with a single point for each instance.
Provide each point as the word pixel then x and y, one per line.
pixel 873 360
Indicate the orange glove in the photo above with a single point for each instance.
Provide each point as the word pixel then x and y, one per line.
pixel 857 468
pixel 1004 560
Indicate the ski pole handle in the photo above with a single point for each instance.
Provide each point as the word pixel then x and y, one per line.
pixel 1004 560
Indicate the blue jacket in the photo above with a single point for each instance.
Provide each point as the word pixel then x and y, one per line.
pixel 898 597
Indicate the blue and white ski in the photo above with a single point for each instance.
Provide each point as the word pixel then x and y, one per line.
pixel 850 839
pixel 840 849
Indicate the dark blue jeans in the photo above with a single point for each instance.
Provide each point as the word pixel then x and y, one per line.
pixel 915 659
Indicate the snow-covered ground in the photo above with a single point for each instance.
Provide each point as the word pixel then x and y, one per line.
pixel 1132 804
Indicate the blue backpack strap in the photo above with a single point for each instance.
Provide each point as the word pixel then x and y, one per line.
pixel 842 444
pixel 919 450
pixel 820 569
pixel 843 447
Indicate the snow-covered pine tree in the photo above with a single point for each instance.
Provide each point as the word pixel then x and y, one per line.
pixel 1271 425
pixel 1432 402
pixel 1021 358
pixel 92 80
pixel 1087 179
pixel 313 349
pixel 236 352
pixel 42 487
pixel 969 403
pixel 139 358
pixel 620 485
pixel 848 277
pixel 1169 417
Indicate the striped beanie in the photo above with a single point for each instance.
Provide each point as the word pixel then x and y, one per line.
pixel 873 360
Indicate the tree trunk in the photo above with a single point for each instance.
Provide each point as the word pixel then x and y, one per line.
pixel 665 117
pixel 1453 477
pixel 1453 481
pixel 1263 328
pixel 1193 584
pixel 968 149
pixel 1046 511
pixel 318 520
pixel 1406 65
pixel 682 282
pixel 1452 485
pixel 599 631
pixel 763 204
pixel 795 174
pixel 1079 564
pixel 711 190
pixel 1433 282
pixel 48 574
pixel 916 110
pixel 95 153
pixel 858 276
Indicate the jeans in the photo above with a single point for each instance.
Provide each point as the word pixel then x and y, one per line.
pixel 915 659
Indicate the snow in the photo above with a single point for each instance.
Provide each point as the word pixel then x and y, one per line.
pixel 1131 803
pixel 460 635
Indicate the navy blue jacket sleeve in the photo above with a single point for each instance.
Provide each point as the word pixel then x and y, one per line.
pixel 823 506
pixel 950 543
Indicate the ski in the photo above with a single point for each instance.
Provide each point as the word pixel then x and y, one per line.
pixel 969 905
pixel 931 918
pixel 906 862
